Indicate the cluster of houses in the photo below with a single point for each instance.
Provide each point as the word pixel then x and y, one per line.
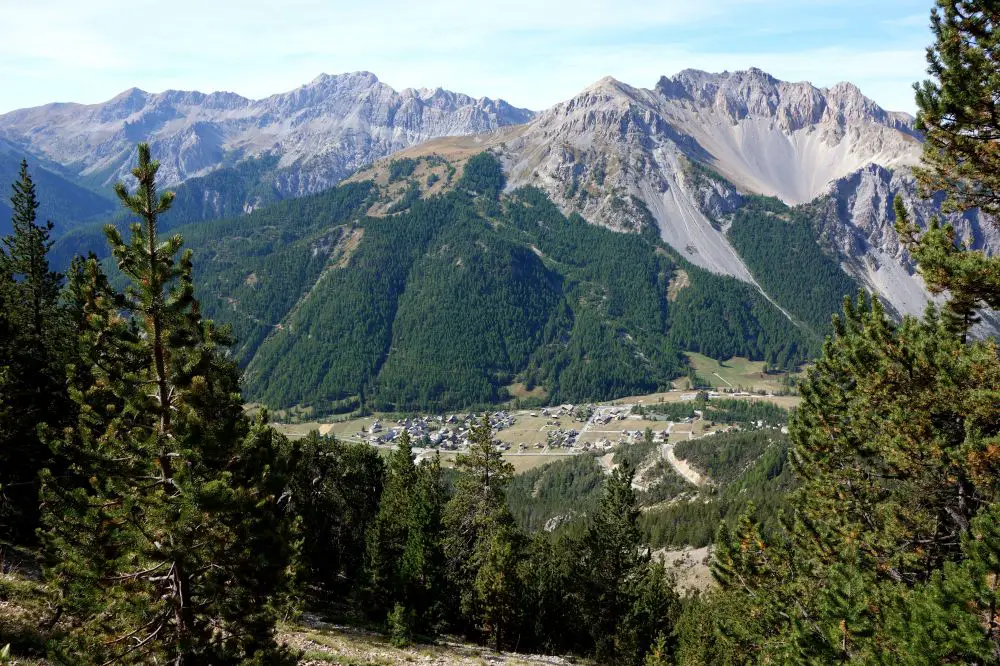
pixel 448 432
pixel 576 412
pixel 606 415
pixel 452 432
pixel 565 439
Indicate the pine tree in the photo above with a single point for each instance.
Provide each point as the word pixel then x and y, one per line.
pixel 614 562
pixel 895 444
pixel 422 565
pixel 496 584
pixel 550 579
pixel 335 492
pixel 954 617
pixel 33 342
pixel 652 616
pixel 658 655
pixel 27 251
pixel 971 279
pixel 403 553
pixel 387 538
pixel 474 516
pixel 175 547
pixel 959 107
pixel 890 555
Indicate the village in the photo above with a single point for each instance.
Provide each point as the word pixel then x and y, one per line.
pixel 532 437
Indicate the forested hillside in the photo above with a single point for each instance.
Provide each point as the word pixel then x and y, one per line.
pixel 747 467
pixel 230 191
pixel 446 302
pixel 63 202
pixel 779 246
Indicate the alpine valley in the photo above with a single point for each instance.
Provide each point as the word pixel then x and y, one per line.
pixel 426 250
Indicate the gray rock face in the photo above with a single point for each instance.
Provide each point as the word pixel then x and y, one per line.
pixel 624 156
pixel 857 221
pixel 612 155
pixel 322 131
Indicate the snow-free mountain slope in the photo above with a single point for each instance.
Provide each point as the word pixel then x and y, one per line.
pixel 621 155
pixel 681 157
pixel 321 131
pixel 782 139
pixel 684 155
pixel 610 155
pixel 856 220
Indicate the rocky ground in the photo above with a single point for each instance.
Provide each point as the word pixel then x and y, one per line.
pixel 25 607
pixel 323 644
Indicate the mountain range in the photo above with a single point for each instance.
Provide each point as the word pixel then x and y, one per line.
pixel 753 205
pixel 322 131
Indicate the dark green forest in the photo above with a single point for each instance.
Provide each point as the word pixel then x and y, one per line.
pixel 779 246
pixel 329 305
pixel 757 412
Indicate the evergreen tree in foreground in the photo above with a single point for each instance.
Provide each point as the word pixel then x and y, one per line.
pixel 403 551
pixel 33 342
pixel 167 540
pixel 481 542
pixel 628 601
pixel 959 107
pixel 891 554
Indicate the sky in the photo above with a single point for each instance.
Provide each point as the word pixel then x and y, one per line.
pixel 532 53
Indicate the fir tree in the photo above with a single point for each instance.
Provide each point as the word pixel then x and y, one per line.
pixel 614 562
pixel 473 518
pixel 959 107
pixel 175 547
pixel 33 344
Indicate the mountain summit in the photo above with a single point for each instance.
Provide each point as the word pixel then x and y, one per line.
pixel 685 155
pixel 321 131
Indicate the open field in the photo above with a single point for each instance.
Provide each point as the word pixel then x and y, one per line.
pixel 736 372
pixel 346 429
pixel 519 390
pixel 522 462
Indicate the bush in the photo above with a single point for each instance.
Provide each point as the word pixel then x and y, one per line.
pixel 657 655
pixel 401 168
pixel 401 623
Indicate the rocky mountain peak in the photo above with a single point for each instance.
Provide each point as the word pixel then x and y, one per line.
pixel 755 94
pixel 348 79
pixel 607 84
pixel 321 131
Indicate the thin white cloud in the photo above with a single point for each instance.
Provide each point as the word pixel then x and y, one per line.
pixel 531 52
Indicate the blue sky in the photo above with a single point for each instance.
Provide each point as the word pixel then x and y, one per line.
pixel 532 53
